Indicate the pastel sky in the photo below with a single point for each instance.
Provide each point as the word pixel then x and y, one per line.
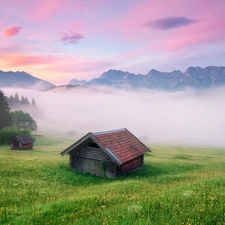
pixel 58 40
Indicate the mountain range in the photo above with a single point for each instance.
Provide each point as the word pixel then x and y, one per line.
pixel 23 80
pixel 193 77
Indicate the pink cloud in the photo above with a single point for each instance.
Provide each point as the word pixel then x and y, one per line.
pixel 169 23
pixel 11 31
pixel 196 26
pixel 78 66
pixel 71 38
pixel 44 9
pixel 50 67
pixel 203 33
pixel 25 60
pixel 32 37
pixel 47 9
pixel 11 48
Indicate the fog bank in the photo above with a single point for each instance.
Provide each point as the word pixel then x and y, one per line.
pixel 193 118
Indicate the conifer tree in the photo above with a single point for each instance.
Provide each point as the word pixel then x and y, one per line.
pixel 17 100
pixel 33 103
pixel 22 101
pixel 5 118
pixel 27 101
pixel 11 101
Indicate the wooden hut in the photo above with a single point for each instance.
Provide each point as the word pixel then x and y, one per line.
pixel 22 142
pixel 109 153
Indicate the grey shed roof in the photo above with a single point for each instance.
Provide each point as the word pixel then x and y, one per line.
pixel 24 139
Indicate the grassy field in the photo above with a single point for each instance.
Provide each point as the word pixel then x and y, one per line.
pixel 177 186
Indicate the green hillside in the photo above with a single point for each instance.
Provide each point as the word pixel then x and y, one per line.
pixel 177 186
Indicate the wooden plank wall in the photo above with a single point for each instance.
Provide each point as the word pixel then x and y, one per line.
pixel 92 160
pixel 132 165
pixel 93 153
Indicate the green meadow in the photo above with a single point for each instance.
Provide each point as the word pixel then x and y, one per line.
pixel 179 185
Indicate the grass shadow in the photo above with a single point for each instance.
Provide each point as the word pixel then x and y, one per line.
pixel 161 169
pixel 183 157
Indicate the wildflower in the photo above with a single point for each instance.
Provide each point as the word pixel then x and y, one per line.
pixel 134 208
pixel 188 193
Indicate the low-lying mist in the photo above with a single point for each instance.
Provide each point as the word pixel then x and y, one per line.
pixel 193 118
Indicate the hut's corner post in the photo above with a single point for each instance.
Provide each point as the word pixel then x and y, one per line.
pixel 71 160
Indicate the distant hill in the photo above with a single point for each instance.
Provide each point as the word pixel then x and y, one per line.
pixel 195 77
pixel 22 80
pixel 72 88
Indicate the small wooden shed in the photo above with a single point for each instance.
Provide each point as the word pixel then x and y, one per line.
pixel 22 142
pixel 108 154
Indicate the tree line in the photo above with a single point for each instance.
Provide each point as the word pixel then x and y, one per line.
pixel 16 122
pixel 14 101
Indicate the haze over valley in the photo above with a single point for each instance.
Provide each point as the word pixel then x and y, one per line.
pixel 191 117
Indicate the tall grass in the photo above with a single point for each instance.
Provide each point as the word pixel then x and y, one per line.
pixel 177 186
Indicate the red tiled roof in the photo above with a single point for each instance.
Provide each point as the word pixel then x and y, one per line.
pixel 123 144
